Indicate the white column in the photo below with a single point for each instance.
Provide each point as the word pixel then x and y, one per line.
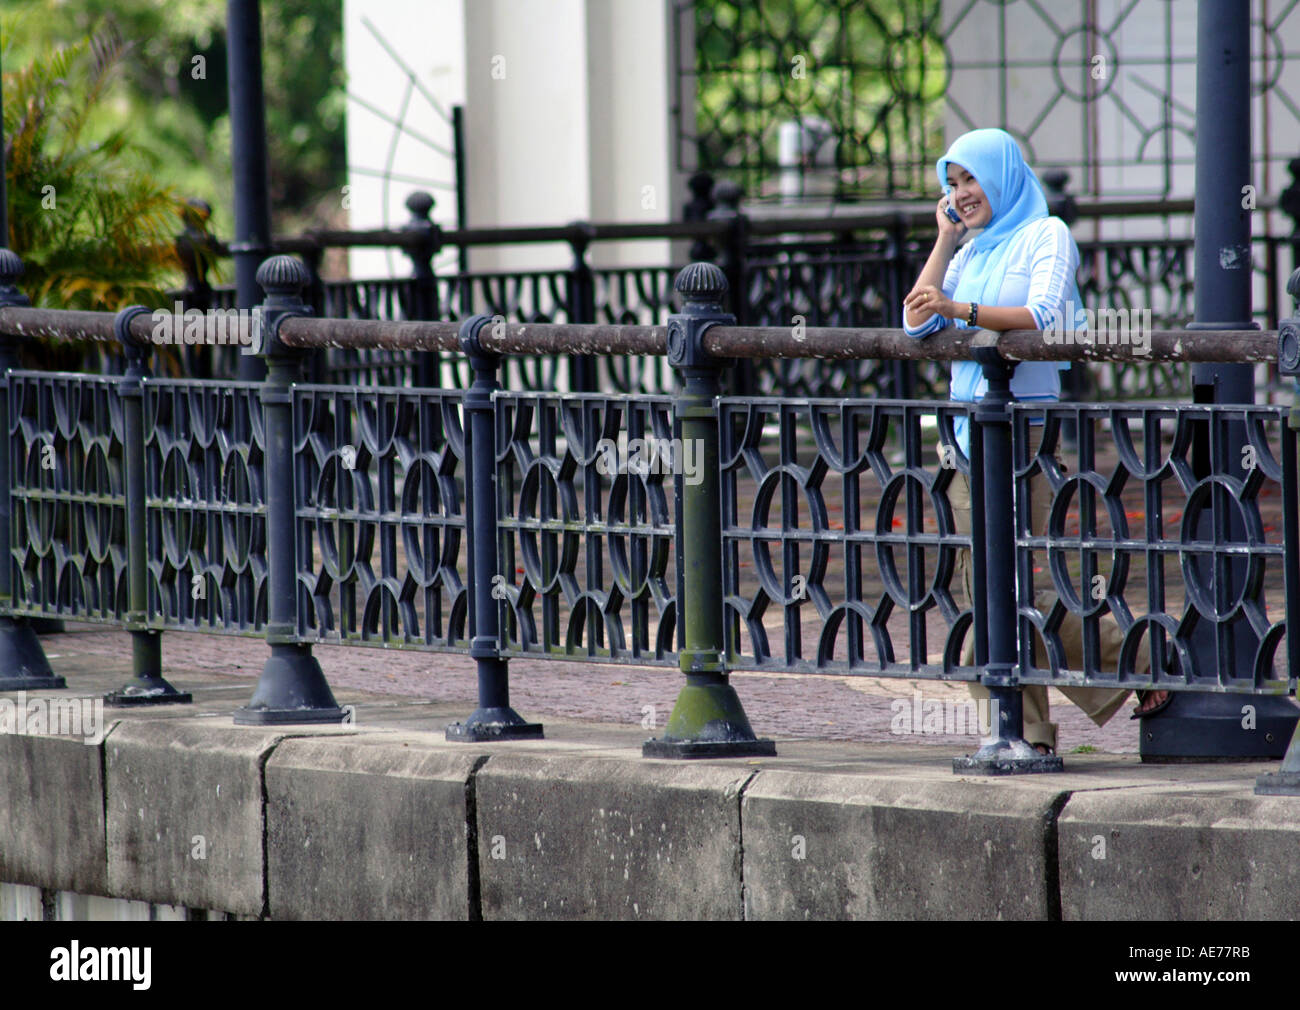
pixel 567 110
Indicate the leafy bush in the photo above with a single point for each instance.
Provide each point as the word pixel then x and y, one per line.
pixel 94 228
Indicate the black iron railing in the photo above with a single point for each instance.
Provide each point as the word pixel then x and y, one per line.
pixel 842 269
pixel 707 531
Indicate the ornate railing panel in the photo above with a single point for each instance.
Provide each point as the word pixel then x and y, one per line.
pixel 1159 529
pixel 835 284
pixel 380 516
pixel 586 508
pixel 839 547
pixel 205 505
pixel 68 496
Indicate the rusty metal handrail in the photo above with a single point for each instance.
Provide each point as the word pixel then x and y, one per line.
pixel 823 342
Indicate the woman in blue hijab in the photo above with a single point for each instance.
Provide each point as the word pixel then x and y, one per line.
pixel 1017 273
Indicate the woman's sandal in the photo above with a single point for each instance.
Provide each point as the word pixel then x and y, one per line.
pixel 1044 750
pixel 1158 707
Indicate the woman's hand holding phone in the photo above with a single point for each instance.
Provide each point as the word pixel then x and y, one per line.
pixel 949 221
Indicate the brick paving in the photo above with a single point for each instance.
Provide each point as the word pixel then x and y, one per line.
pixel 782 706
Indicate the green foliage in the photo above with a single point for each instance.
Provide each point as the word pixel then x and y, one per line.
pixel 93 226
pixel 173 96
pixel 875 71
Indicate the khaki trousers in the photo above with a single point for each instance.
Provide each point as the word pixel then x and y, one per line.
pixel 1097 703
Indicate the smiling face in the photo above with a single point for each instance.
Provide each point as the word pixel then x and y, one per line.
pixel 968 199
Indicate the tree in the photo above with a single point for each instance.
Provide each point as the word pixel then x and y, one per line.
pixel 876 72
pixel 93 225
pixel 173 94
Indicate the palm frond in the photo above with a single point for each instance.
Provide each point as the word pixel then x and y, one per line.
pixel 94 228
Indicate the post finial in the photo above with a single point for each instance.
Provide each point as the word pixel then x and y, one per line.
pixel 11 268
pixel 283 277
pixel 420 203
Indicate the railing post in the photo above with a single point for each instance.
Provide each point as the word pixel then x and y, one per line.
pixel 582 307
pixel 23 666
pixel 494 719
pixel 1008 753
pixel 292 688
pixel 315 363
pixel 727 195
pixel 1288 201
pixel 708 719
pixel 147 687
pixel 1074 384
pixel 1286 780
pixel 1060 203
pixel 1200 724
pixel 899 284
pixel 462 197
pixel 248 158
pixel 193 247
pixel 428 367
pixel 698 208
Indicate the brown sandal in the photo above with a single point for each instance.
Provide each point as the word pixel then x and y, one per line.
pixel 1138 713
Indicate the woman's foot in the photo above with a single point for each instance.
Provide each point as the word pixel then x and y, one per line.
pixel 1151 702
pixel 1044 750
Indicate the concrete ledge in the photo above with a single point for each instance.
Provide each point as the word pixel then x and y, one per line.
pixel 52 825
pixel 824 846
pixel 185 812
pixel 368 828
pixel 579 826
pixel 589 838
pixel 1201 854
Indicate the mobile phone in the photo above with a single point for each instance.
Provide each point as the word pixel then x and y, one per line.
pixel 953 216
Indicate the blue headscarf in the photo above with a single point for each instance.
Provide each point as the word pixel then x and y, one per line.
pixel 1015 196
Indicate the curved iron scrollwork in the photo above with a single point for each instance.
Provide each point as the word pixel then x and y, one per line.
pixel 205 505
pixel 1195 488
pixel 586 506
pixel 871 88
pixel 799 535
pixel 381 519
pixel 68 496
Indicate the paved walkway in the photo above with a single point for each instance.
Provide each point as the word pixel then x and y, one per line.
pixel 779 705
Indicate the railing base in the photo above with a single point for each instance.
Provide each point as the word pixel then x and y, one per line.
pixel 708 720
pixel 147 691
pixel 50 683
pixel 1278 784
pixel 292 689
pixel 1215 728
pixel 493 724
pixel 288 716
pixel 23 666
pixel 1002 757
pixel 681 749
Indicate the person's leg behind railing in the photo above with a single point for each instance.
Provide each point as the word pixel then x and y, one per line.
pixel 1098 704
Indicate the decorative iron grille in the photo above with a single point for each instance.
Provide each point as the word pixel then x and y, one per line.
pixel 380 516
pixel 1103 90
pixel 205 505
pixel 68 496
pixel 586 514
pixel 1145 490
pixel 838 537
